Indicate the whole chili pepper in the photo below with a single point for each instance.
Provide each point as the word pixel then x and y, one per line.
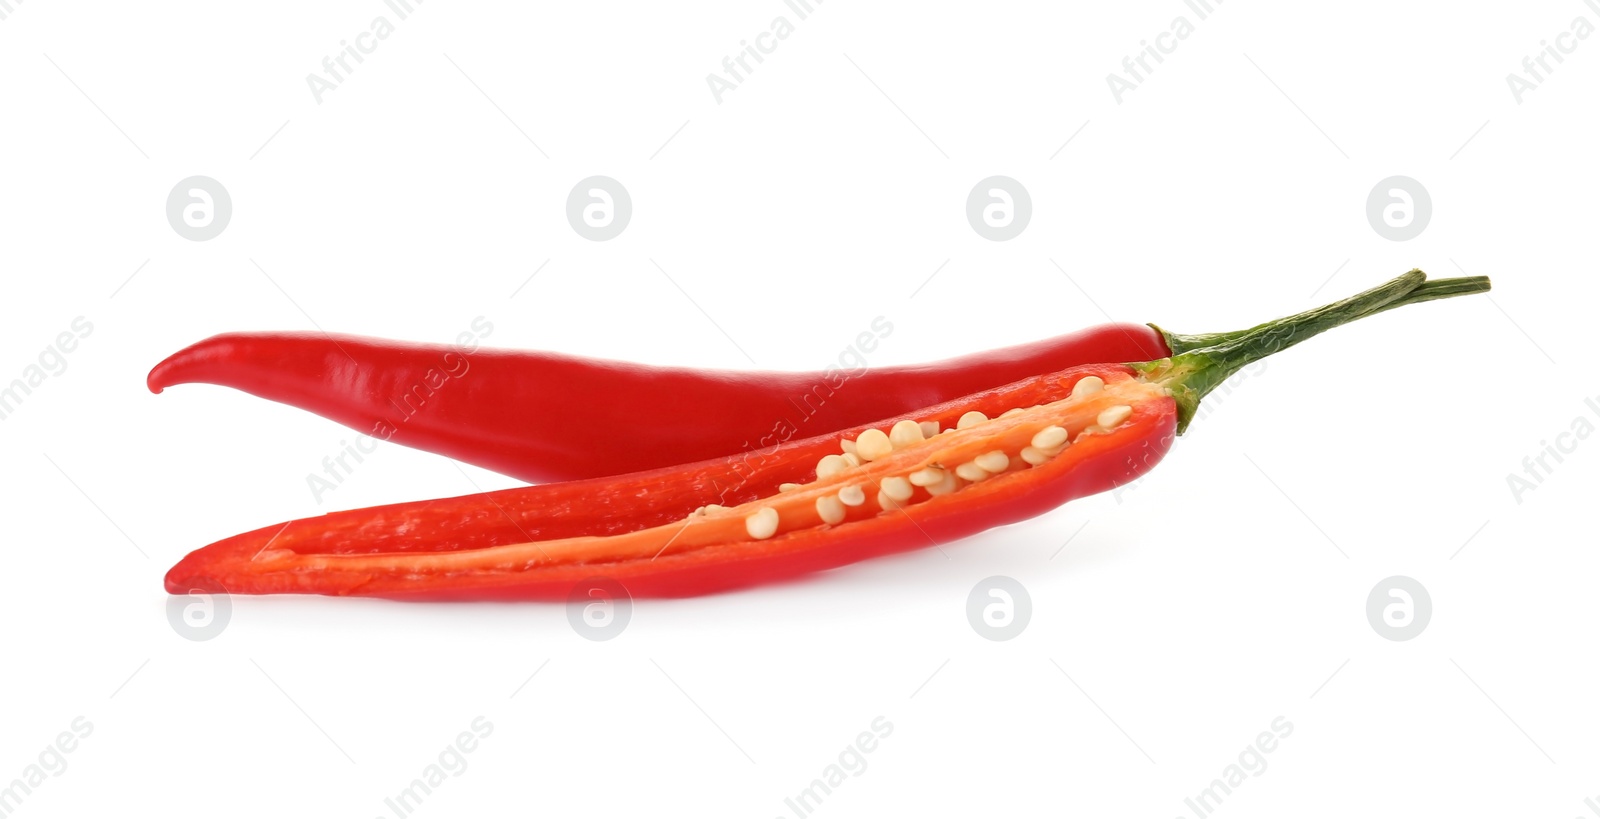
pixel 994 457
pixel 545 416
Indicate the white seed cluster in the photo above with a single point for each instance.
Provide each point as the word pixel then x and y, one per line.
pixel 897 491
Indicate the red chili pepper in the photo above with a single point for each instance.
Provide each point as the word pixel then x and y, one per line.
pixel 868 491
pixel 546 416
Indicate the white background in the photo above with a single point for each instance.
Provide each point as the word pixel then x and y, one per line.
pixel 1179 621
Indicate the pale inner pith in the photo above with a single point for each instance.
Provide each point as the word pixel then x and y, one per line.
pixel 915 468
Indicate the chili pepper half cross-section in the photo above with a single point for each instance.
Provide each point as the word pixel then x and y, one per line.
pixel 947 471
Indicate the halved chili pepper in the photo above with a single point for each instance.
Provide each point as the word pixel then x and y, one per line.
pixel 546 416
pixel 947 471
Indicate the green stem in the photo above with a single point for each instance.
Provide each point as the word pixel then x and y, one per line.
pixel 1436 289
pixel 1192 374
pixel 1429 291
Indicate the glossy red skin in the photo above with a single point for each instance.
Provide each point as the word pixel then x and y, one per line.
pixel 546 416
pixel 642 500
